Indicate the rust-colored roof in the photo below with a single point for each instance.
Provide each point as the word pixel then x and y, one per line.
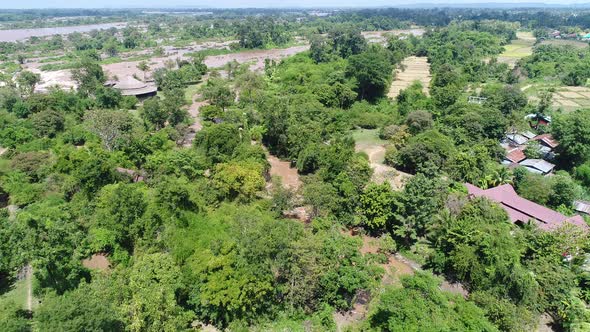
pixel 547 139
pixel 515 155
pixel 523 210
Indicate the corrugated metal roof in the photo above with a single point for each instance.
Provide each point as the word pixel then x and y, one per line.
pixel 538 164
pixel 517 138
pixel 581 206
pixel 523 210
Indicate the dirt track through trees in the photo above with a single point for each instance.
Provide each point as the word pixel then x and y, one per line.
pixel 412 69
pixel 382 173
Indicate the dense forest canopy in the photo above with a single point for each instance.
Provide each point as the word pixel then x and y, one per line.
pixel 317 190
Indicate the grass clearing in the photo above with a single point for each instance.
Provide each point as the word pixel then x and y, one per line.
pixel 190 91
pixel 368 137
pixel 563 42
pixel 17 294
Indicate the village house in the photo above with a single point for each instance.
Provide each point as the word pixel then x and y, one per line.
pixel 521 211
pixel 536 120
pixel 538 166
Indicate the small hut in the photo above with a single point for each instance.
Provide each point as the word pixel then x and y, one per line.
pixel 129 86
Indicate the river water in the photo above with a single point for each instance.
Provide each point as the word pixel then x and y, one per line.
pixel 22 34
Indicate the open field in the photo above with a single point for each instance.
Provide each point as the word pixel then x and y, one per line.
pixel 412 69
pixel 129 68
pixel 572 97
pixel 381 36
pixel 21 293
pixel 518 48
pixel 562 42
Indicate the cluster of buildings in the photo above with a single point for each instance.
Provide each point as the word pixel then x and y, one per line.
pixel 520 210
pixel 515 145
pixel 556 34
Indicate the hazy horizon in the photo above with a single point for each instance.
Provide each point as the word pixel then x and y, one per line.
pixel 43 4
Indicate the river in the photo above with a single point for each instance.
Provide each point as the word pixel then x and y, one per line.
pixel 22 34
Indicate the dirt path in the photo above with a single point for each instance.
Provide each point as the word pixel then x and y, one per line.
pixel 29 279
pixel 197 125
pixel 2 150
pixel 412 69
pixel 396 267
pixel 383 173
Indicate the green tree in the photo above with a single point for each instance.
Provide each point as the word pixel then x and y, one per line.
pixel 415 208
pixel 238 180
pixel 112 127
pixel 420 306
pixel 572 131
pixel 419 121
pixel 446 86
pixel 218 93
pixel 83 309
pixel 153 113
pixel 48 123
pixel 13 318
pixel 152 304
pixel 376 206
pixel 372 70
pixel 27 81
pixel 144 67
pixel 88 75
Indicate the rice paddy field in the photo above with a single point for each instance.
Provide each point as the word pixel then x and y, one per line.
pixel 518 48
pixel 412 69
pixel 562 42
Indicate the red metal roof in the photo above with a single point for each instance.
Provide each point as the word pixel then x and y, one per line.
pixel 523 210
pixel 515 155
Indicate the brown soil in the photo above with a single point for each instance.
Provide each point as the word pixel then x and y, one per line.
pixel 123 69
pixel 61 78
pixel 395 268
pixel 283 169
pixel 381 36
pixel 546 324
pixel 256 57
pixel 97 262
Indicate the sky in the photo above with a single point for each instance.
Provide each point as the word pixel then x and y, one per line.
pixel 10 4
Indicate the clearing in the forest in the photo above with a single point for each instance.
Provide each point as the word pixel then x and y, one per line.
pixel 411 69
pixel 519 48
